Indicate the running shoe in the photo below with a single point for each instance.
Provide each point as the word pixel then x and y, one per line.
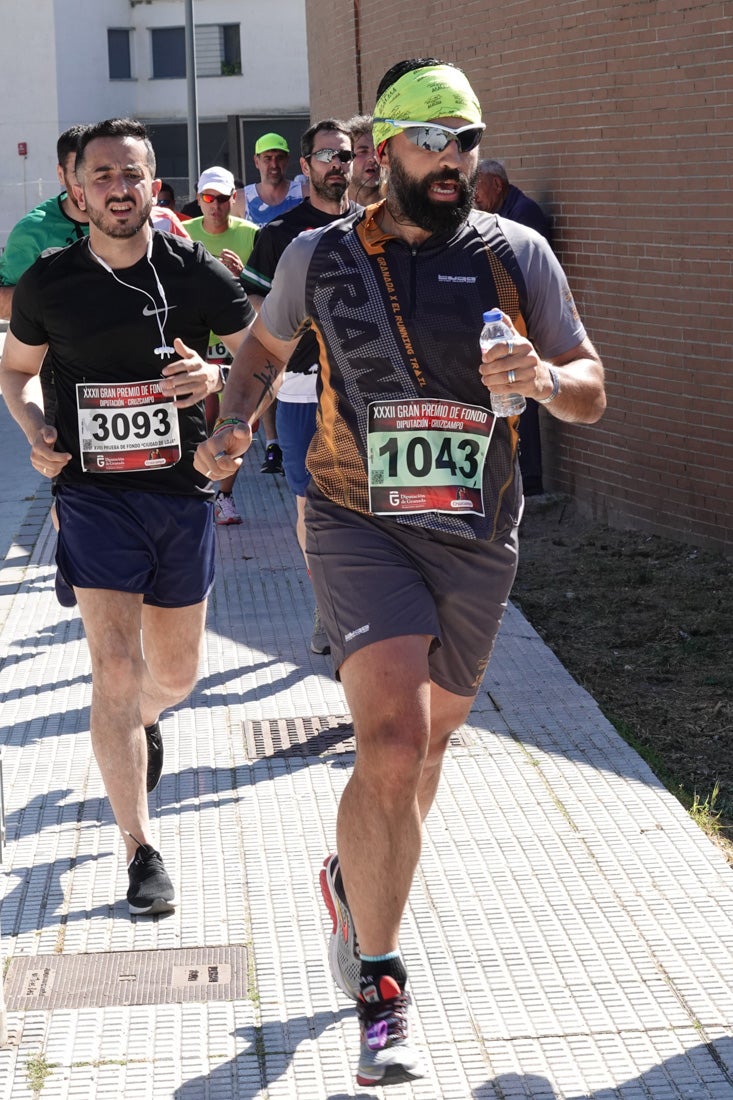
pixel 273 463
pixel 224 511
pixel 319 639
pixel 388 1054
pixel 151 891
pixel 343 950
pixel 155 755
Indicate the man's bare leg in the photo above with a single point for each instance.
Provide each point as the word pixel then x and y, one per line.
pixel 129 690
pixel 398 758
pixel 171 644
pixel 300 525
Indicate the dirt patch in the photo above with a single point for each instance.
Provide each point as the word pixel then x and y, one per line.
pixel 645 624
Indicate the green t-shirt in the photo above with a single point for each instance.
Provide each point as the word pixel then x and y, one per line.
pixel 46 226
pixel 239 238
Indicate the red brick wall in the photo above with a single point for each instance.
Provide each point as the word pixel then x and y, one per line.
pixel 617 118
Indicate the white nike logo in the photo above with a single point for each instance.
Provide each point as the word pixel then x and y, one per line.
pixel 150 311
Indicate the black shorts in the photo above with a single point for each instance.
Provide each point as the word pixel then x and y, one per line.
pixel 376 579
pixel 156 544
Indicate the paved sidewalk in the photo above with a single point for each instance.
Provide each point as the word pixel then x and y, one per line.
pixel 569 934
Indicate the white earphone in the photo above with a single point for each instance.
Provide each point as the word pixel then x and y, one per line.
pixel 165 349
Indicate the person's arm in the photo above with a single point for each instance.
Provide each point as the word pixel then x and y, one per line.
pixel 570 386
pixel 574 392
pixel 24 245
pixel 234 339
pixel 251 387
pixel 21 388
pixel 6 302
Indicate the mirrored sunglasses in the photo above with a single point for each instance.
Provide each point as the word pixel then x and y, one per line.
pixel 221 199
pixel 327 155
pixel 434 139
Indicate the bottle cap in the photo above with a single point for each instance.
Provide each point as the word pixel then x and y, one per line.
pixel 492 315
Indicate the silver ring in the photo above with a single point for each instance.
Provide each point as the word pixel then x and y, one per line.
pixel 510 347
pixel 511 377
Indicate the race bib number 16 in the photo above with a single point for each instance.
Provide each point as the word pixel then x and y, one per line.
pixel 427 456
pixel 126 427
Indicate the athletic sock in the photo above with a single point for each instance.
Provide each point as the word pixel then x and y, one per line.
pixel 382 976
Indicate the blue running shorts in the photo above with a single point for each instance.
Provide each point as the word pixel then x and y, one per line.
pixel 156 544
pixel 375 579
pixel 296 425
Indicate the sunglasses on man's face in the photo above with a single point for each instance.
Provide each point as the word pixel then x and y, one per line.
pixel 434 139
pixel 221 199
pixel 327 155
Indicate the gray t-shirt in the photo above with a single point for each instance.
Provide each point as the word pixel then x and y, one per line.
pixel 396 322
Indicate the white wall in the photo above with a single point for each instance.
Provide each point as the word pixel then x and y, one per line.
pixel 28 108
pixel 85 92
pixel 274 76
pixel 54 73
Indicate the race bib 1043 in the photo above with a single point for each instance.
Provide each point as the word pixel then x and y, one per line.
pixel 126 427
pixel 427 456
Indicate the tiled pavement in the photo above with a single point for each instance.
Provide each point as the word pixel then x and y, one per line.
pixel 569 934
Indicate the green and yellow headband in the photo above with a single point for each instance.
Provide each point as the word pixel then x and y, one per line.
pixel 437 91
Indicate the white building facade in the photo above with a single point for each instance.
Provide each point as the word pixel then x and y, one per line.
pixel 72 61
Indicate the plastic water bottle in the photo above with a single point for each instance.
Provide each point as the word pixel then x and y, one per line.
pixel 495 331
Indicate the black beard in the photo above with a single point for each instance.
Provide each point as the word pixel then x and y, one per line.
pixel 116 231
pixel 331 190
pixel 411 202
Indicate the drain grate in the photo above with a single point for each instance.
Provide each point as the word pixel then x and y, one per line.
pixel 319 736
pixel 39 982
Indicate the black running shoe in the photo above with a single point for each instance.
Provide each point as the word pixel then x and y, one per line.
pixel 150 891
pixel 388 1054
pixel 155 755
pixel 273 463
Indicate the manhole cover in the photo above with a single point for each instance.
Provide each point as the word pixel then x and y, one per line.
pixel 126 978
pixel 319 736
pixel 298 736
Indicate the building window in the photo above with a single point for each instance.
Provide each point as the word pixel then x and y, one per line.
pixel 218 51
pixel 169 53
pixel 118 53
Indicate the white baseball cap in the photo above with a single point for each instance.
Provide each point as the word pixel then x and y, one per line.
pixel 216 179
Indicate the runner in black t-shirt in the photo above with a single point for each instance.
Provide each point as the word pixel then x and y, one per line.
pixel 125 316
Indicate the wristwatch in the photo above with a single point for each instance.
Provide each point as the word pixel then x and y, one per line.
pixel 555 388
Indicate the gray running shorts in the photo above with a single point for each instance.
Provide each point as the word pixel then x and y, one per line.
pixel 376 579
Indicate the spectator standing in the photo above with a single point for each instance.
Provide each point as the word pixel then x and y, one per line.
pixel 496 195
